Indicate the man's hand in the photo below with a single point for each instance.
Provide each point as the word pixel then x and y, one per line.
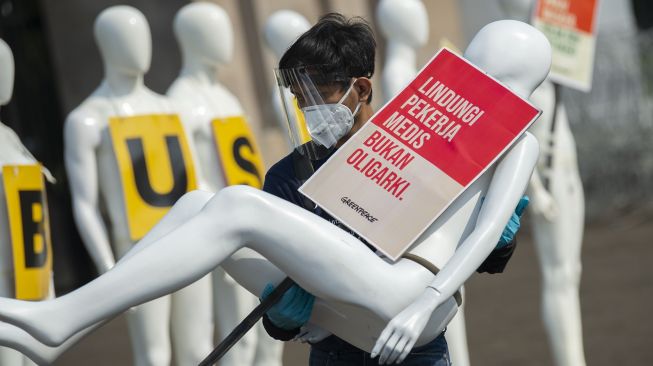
pixel 293 310
pixel 513 225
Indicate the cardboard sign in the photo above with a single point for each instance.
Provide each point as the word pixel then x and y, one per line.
pixel 155 164
pixel 29 228
pixel 570 27
pixel 238 152
pixel 406 165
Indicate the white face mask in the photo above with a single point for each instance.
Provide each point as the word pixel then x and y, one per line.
pixel 328 123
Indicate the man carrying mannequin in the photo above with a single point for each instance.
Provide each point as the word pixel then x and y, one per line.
pixel 339 54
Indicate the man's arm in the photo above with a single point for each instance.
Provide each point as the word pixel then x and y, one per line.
pixel 81 137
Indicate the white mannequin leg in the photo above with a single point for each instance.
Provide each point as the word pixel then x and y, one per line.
pixel 259 348
pixel 558 245
pixel 269 351
pixel 149 332
pixel 456 336
pixel 192 323
pixel 362 278
pixel 10 357
pixel 234 303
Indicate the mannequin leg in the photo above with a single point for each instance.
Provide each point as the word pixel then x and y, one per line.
pixel 558 244
pixel 192 323
pixel 232 304
pixel 148 326
pixel 18 339
pixel 269 351
pixel 10 357
pixel 257 347
pixel 456 337
pixel 303 245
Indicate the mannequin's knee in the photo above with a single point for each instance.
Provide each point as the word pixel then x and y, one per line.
pixel 565 276
pixel 155 355
pixel 235 201
pixel 194 200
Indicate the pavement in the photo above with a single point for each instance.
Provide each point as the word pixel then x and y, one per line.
pixel 503 311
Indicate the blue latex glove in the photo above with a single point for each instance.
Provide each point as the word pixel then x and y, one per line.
pixel 513 225
pixel 293 310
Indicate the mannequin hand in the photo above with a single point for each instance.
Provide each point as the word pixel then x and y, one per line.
pixel 514 223
pixel 544 205
pixel 312 333
pixel 293 310
pixel 400 335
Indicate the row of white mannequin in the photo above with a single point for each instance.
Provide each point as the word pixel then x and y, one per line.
pixel 184 319
pixel 197 98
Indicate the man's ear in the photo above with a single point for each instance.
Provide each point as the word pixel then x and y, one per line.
pixel 364 88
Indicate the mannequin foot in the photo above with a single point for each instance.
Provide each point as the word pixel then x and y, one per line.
pixel 37 319
pixel 18 339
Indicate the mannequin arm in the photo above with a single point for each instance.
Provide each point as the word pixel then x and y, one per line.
pixel 506 188
pixel 81 136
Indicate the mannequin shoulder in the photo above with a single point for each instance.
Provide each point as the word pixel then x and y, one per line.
pixel 180 88
pixel 85 123
pixel 229 98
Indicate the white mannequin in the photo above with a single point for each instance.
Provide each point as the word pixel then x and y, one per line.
pixel 205 35
pixel 558 217
pixel 405 26
pixel 12 152
pixel 362 293
pixel 281 30
pixel 123 37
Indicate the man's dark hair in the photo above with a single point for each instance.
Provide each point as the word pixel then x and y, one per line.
pixel 343 47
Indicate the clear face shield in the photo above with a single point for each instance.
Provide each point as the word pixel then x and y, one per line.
pixel 312 99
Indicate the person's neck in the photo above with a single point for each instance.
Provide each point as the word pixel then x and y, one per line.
pixel 120 83
pixel 200 72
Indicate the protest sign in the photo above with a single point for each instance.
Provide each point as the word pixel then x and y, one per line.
pixel 570 27
pixel 411 160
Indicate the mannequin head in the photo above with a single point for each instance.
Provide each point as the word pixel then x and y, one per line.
pixel 204 33
pixel 513 52
pixel 282 29
pixel 517 9
pixel 404 21
pixel 6 73
pixel 123 36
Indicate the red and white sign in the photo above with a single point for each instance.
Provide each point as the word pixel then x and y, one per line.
pixel 570 27
pixel 406 165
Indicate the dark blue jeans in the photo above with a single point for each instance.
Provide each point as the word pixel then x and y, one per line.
pixel 333 351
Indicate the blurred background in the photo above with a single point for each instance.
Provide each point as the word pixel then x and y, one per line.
pixel 58 65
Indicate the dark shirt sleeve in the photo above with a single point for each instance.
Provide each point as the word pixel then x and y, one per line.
pixel 498 259
pixel 277 333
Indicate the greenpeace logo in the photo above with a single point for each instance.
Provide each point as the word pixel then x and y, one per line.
pixel 363 212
